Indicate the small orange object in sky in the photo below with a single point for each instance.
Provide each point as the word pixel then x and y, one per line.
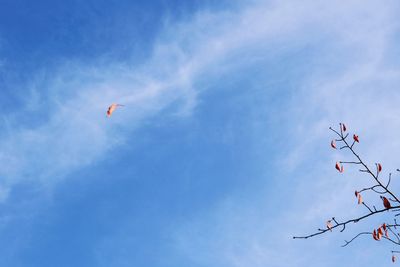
pixel 112 108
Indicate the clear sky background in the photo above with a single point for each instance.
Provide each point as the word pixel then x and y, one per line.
pixel 221 153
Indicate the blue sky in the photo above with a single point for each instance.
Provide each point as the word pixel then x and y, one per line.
pixel 221 153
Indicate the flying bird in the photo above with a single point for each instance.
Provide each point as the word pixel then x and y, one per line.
pixel 112 108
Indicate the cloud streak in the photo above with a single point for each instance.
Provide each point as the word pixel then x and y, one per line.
pixel 71 130
pixel 66 128
pixel 352 78
pixel 349 57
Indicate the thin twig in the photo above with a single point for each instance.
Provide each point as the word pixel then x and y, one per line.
pixel 354 238
pixel 321 231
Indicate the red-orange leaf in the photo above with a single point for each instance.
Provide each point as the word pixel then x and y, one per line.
pixel 374 235
pixel 329 225
pixel 393 258
pixel 384 226
pixel 386 202
pixel 359 198
pixel 333 144
pixel 112 108
pixel 343 127
pixel 355 137
pixel 339 167
pixel 386 233
pixel 379 167
pixel 379 234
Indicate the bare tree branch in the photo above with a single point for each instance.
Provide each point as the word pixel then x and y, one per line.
pixel 354 238
pixel 321 231
pixel 379 187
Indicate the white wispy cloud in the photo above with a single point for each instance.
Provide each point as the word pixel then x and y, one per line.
pixel 65 108
pixel 349 81
pixel 352 79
